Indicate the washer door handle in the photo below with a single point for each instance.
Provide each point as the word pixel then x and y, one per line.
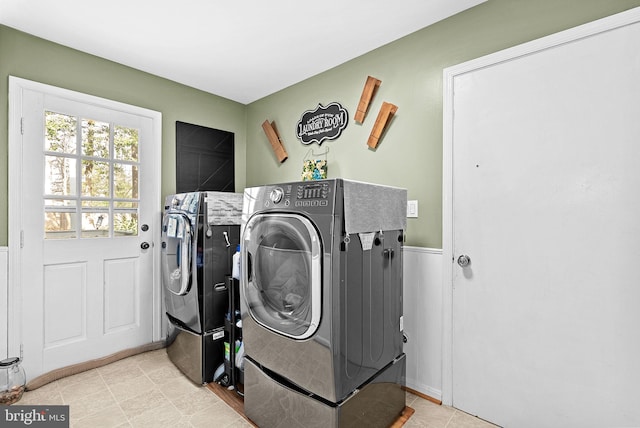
pixel 249 266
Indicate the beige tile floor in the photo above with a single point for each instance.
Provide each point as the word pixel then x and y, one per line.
pixel 147 390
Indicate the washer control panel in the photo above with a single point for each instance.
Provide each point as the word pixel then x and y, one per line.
pixel 300 195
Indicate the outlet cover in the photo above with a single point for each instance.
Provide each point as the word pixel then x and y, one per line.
pixel 412 208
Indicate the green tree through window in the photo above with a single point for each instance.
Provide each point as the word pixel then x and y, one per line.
pixel 91 178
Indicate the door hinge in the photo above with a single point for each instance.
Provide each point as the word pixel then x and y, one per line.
pixel 22 126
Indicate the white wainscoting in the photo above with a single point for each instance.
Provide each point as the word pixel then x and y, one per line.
pixel 422 272
pixel 422 288
pixel 4 306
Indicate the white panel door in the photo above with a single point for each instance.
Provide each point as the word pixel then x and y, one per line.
pixel 88 217
pixel 545 201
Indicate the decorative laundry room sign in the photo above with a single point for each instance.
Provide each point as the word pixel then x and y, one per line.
pixel 323 123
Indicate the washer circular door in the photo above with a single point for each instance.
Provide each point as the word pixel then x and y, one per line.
pixel 177 253
pixel 282 279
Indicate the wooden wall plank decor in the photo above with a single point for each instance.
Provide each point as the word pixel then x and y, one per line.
pixel 384 116
pixel 276 144
pixel 370 88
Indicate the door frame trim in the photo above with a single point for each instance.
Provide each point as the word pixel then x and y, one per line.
pixel 14 298
pixel 622 19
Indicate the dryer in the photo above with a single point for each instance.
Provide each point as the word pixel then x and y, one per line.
pixel 200 233
pixel 321 303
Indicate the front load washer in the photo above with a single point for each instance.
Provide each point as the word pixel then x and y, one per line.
pixel 321 303
pixel 200 233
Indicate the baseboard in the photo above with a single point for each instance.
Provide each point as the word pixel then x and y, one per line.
pixel 91 364
pixel 434 396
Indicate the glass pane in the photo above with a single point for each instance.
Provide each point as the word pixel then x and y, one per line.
pixel 95 204
pixel 60 132
pixel 283 267
pixel 284 274
pixel 125 204
pixel 176 255
pixel 125 143
pixel 59 225
pixel 95 225
pixel 95 138
pixel 125 224
pixel 126 181
pixel 95 179
pixel 59 176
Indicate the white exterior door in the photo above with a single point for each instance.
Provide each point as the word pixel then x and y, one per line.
pixel 543 144
pixel 88 216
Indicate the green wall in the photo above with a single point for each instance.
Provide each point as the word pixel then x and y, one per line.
pixel 29 57
pixel 410 152
pixel 411 69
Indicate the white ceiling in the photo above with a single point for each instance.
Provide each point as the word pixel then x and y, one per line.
pixel 241 49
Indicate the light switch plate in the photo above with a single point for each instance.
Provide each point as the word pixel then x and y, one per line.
pixel 412 208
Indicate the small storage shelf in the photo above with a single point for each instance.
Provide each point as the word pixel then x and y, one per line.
pixel 234 376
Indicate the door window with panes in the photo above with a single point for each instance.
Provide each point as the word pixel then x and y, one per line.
pixel 91 178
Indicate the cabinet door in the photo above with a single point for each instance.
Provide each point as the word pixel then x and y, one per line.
pixel 204 159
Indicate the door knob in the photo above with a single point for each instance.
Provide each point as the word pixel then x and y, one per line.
pixel 464 260
pixel 144 245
